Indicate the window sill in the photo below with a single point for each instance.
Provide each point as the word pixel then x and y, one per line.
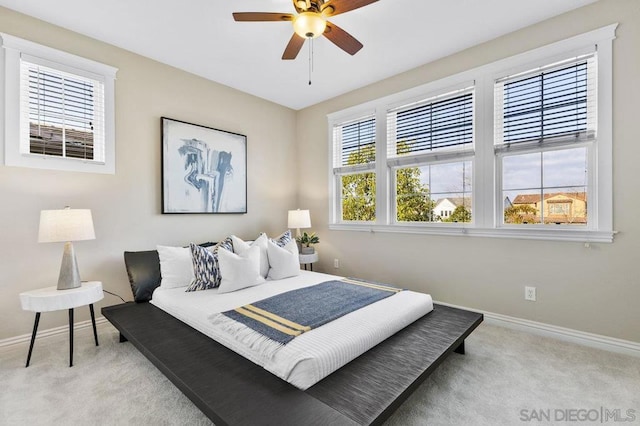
pixel 582 235
pixel 35 161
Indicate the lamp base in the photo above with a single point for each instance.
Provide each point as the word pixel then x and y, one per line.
pixel 69 275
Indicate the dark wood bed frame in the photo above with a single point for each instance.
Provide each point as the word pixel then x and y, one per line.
pixel 232 390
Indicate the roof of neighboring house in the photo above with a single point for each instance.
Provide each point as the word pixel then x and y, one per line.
pixel 535 198
pixel 48 140
pixel 456 201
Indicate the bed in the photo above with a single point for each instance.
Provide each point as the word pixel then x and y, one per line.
pixel 362 383
pixel 313 355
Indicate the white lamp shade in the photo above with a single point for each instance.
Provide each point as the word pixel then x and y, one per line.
pixel 299 219
pixel 65 225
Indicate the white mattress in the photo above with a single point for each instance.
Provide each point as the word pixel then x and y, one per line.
pixel 313 355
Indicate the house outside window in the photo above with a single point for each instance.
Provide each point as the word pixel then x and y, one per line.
pixel 568 208
pixel 453 209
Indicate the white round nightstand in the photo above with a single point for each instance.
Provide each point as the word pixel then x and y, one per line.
pixel 308 259
pixel 51 299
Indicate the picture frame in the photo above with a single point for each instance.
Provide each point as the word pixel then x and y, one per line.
pixel 204 170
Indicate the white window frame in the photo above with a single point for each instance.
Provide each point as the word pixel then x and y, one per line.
pixel 13 49
pixel 337 171
pixel 487 202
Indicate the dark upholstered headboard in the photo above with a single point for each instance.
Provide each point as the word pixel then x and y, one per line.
pixel 143 270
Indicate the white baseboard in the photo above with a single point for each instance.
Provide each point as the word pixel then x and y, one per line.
pixel 597 341
pixel 50 332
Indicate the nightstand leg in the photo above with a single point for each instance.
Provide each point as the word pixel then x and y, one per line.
pixel 93 322
pixel 33 337
pixel 71 337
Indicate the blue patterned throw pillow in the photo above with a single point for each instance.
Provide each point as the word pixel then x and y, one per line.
pixel 283 239
pixel 205 265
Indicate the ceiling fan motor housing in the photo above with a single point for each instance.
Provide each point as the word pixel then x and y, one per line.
pixel 309 24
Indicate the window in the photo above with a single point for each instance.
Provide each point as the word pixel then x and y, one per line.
pixel 59 114
pixel 420 190
pixel 518 148
pixel 63 112
pixel 419 136
pixel 560 208
pixel 545 124
pixel 354 166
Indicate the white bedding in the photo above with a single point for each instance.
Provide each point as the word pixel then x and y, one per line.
pixel 313 355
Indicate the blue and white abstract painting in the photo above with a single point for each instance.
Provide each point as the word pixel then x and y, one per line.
pixel 204 170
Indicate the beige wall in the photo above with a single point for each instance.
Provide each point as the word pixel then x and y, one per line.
pixel 593 289
pixel 126 206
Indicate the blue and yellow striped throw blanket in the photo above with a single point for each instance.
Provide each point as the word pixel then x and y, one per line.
pixel 281 318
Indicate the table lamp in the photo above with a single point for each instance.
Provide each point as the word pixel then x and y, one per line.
pixel 299 219
pixel 66 225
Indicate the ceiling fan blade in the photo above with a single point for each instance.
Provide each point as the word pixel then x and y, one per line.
pixel 261 16
pixel 342 39
pixel 336 7
pixel 293 48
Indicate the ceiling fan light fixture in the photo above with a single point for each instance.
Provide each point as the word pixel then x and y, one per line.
pixel 309 24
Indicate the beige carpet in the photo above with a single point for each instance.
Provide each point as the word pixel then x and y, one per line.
pixel 503 373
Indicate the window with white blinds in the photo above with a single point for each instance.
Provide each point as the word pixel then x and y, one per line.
pixel 517 148
pixel 556 103
pixel 354 151
pixel 544 118
pixel 355 142
pixel 442 123
pixel 59 109
pixel 62 112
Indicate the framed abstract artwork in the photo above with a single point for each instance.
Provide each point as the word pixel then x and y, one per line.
pixel 204 170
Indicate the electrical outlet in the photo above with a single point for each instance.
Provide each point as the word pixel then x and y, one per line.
pixel 336 263
pixel 530 293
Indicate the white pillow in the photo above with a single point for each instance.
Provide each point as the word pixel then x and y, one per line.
pixel 176 266
pixel 241 247
pixel 239 271
pixel 283 261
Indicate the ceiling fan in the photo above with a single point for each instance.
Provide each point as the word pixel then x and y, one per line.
pixel 311 22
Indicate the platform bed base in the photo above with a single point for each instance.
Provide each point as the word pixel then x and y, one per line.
pixel 231 390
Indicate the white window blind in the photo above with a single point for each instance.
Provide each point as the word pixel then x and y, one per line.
pixel 354 144
pixel 438 125
pixel 552 104
pixel 61 113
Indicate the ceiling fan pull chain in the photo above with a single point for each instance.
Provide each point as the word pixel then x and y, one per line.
pixel 310 58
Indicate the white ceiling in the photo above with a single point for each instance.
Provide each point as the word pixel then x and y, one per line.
pixel 201 37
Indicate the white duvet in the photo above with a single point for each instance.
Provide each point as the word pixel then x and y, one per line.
pixel 313 355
